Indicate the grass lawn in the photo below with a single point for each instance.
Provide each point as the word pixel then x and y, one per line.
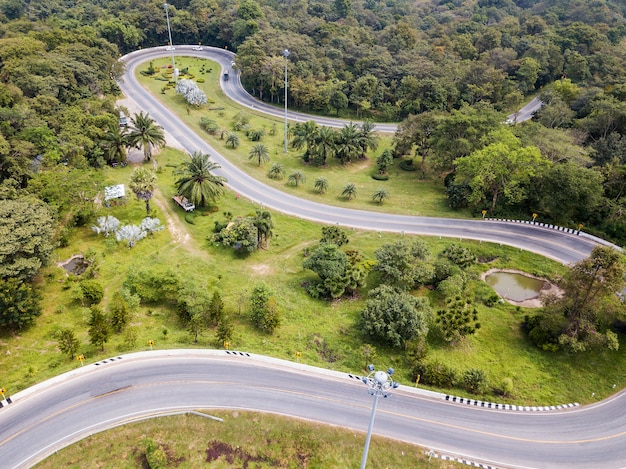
pixel 243 439
pixel 407 193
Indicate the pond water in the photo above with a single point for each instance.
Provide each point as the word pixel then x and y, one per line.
pixel 75 265
pixel 512 286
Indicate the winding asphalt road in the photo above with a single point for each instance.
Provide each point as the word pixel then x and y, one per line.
pixel 558 245
pixel 56 413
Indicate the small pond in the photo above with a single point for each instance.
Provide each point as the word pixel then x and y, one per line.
pixel 513 286
pixel 75 265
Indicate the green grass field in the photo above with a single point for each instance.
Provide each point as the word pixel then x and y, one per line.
pixel 243 439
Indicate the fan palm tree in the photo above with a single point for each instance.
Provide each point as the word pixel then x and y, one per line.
pixel 321 185
pixel 348 143
pixel 143 184
pixel 304 135
pixel 197 182
pixel 277 171
pixel 325 145
pixel 146 133
pixel 296 178
pixel 380 195
pixel 232 141
pixel 260 153
pixel 263 222
pixel 367 138
pixel 115 142
pixel 349 192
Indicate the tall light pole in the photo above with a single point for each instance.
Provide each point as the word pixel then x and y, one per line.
pixel 378 384
pixel 169 33
pixel 286 54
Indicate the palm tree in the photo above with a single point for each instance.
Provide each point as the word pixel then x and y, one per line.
pixel 304 134
pixel 348 143
pixel 380 195
pixel 296 178
pixel 232 140
pixel 321 185
pixel 325 145
pixel 277 171
pixel 260 153
pixel 146 134
pixel 196 182
pixel 115 142
pixel 367 138
pixel 143 184
pixel 349 192
pixel 263 222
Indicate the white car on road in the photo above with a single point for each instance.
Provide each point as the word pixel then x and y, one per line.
pixel 198 48
pixel 170 48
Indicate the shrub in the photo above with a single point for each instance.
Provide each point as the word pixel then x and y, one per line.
pixel 155 455
pixel 435 374
pixel 474 380
pixel 459 255
pixel 380 177
pixel 92 291
pixel 407 165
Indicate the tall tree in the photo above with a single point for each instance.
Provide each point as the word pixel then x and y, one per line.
pixel 99 331
pixel 143 184
pixel 502 168
pixel 402 263
pixel 196 180
pixel 394 317
pixel 68 342
pixel 26 237
pixel 146 134
pixel 19 304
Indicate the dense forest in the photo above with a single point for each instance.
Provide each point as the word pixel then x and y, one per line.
pixel 449 72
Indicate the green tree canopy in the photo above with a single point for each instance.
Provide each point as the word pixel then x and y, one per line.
pixel 196 180
pixel 394 317
pixel 501 168
pixel 26 237
pixel 19 304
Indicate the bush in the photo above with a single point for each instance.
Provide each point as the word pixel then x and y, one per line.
pixel 474 380
pixel 435 374
pixel 190 218
pixel 93 291
pixel 459 255
pixel 380 177
pixel 407 165
pixel 155 455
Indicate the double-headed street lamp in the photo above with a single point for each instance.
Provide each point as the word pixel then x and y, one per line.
pixel 169 33
pixel 378 384
pixel 286 54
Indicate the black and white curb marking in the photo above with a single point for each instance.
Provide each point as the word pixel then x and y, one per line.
pixel 443 457
pixel 498 406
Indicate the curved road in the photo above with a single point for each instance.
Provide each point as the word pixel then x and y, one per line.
pixel 69 407
pixel 558 245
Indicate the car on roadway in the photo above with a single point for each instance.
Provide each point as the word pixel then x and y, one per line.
pixel 170 48
pixel 198 48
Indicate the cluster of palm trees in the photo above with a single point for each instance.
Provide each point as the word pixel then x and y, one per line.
pixel 144 133
pixel 322 143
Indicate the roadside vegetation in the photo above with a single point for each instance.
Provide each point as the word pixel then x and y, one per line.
pixel 233 274
pixel 243 439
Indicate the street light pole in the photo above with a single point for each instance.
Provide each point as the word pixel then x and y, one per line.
pixel 286 54
pixel 169 33
pixel 378 384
